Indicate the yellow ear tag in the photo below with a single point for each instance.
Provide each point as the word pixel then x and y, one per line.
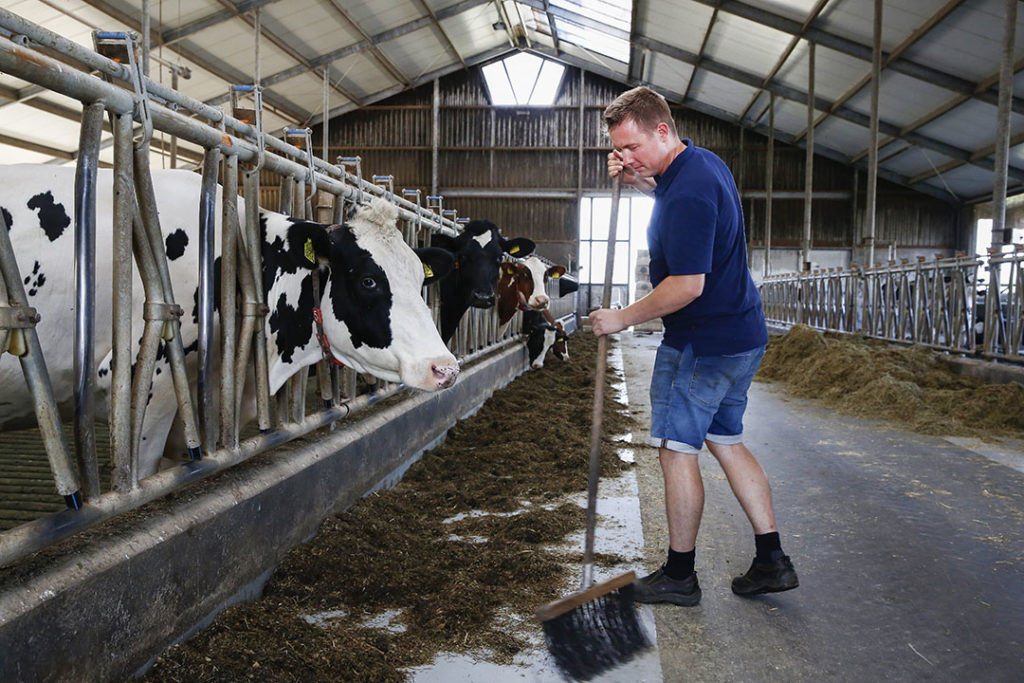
pixel 555 275
pixel 427 271
pixel 308 250
pixel 514 250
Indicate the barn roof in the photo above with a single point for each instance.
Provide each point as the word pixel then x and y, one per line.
pixel 726 58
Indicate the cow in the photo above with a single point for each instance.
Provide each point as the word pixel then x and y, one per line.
pixel 542 333
pixel 478 250
pixel 373 316
pixel 523 286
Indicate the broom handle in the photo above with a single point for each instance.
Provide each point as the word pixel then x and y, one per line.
pixel 598 414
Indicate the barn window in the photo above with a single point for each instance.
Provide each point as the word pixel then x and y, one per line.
pixel 598 26
pixel 523 79
pixel 630 248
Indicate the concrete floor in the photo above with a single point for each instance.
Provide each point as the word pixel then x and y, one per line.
pixel 910 551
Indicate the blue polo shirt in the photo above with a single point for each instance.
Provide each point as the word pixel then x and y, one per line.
pixel 697 227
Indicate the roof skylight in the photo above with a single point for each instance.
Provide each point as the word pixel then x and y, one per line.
pixel 523 79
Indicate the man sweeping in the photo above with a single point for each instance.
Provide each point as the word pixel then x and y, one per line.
pixel 714 339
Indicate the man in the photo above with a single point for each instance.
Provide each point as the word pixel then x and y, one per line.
pixel 714 339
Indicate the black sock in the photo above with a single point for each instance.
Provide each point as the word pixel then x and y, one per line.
pixel 679 565
pixel 768 546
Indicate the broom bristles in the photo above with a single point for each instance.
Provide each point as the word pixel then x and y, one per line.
pixel 597 635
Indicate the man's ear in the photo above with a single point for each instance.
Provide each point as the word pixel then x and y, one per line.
pixel 309 244
pixel 437 263
pixel 518 246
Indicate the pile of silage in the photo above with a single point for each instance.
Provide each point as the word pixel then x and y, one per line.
pixel 908 385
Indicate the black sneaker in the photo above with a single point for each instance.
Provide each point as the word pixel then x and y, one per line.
pixel 766 577
pixel 657 587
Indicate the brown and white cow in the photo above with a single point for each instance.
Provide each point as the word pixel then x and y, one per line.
pixel 523 286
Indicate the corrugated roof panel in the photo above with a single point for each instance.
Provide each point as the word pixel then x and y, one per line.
pixel 471 31
pixel 361 74
pixel 969 42
pixel 17 155
pixel 966 181
pixel 668 73
pixel 902 99
pixel 380 15
pixel 971 126
pixel 834 71
pixel 181 12
pixel 797 10
pixel 232 42
pixel 308 91
pixel 738 42
pixel 418 53
pixel 914 161
pixel 1017 156
pixel 855 20
pixel 311 28
pixel 841 136
pixel 720 92
pixel 612 65
pixel 680 24
pixel 790 117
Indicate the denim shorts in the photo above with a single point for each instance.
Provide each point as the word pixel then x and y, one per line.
pixel 698 398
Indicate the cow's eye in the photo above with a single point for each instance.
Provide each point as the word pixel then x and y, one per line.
pixel 368 283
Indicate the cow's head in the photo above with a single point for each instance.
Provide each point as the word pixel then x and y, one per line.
pixel 374 317
pixel 479 250
pixel 530 277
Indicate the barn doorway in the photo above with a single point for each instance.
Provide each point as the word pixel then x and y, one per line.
pixel 630 272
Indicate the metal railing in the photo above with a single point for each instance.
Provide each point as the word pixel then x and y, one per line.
pixel 966 304
pixel 213 440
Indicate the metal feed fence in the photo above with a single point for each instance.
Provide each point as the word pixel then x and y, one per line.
pixel 966 304
pixel 231 147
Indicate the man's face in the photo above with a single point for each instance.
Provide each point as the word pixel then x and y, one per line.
pixel 646 151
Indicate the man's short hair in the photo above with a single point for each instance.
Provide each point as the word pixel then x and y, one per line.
pixel 646 107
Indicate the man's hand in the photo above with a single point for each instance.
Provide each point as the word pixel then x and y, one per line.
pixel 606 321
pixel 615 167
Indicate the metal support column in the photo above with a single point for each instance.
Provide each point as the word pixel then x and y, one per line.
pixel 121 447
pixel 207 226
pixel 872 189
pixel 808 162
pixel 769 176
pixel 228 268
pixel 435 143
pixel 1001 235
pixel 85 296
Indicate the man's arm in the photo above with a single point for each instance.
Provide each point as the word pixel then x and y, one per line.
pixel 671 294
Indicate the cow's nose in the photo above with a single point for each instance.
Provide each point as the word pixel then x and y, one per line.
pixel 445 375
pixel 541 300
pixel 483 299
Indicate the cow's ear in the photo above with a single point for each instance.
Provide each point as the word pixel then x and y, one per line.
pixel 436 263
pixel 555 272
pixel 518 246
pixel 509 268
pixel 309 244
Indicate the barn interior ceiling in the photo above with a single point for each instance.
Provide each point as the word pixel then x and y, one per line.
pixel 938 98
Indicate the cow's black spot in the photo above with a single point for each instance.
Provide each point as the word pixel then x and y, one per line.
pixel 7 218
pixel 293 327
pixel 104 372
pixel 176 243
pixel 32 292
pixel 159 370
pixel 360 292
pixel 53 219
pixel 27 278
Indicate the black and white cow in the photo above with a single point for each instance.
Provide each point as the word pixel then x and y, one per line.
pixel 479 250
pixel 544 333
pixel 373 315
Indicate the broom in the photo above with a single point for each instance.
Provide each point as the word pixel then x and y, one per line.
pixel 595 628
